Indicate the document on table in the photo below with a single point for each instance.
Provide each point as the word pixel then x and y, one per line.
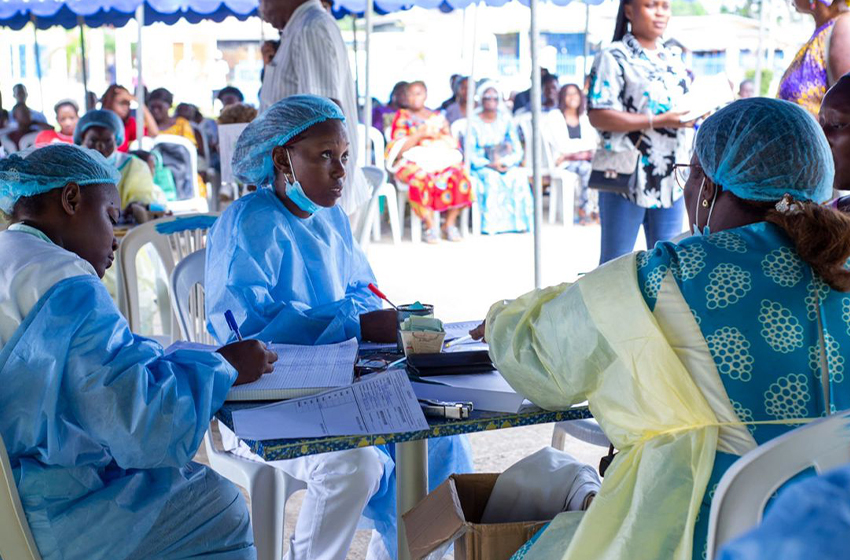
pixel 459 330
pixel 298 372
pixel 486 391
pixel 382 404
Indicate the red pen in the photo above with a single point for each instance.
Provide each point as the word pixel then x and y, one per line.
pixel 374 289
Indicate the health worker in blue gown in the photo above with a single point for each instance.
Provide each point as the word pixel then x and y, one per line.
pixel 284 261
pixel 100 424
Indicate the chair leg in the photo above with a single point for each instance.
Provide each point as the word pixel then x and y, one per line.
pixel 376 224
pixel 392 204
pixel 568 191
pixel 554 187
pixel 267 515
pixel 415 227
pixel 402 203
pixel 559 437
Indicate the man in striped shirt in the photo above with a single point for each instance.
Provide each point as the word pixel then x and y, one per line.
pixel 312 59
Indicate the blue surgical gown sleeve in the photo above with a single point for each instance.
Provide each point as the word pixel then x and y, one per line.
pixel 149 409
pixel 269 278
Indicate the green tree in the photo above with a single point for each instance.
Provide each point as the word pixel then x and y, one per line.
pixel 687 8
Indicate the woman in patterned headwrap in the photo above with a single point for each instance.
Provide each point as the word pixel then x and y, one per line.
pixel 824 59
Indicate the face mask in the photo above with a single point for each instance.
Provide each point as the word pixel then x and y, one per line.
pixel 113 159
pixel 297 195
pixel 706 230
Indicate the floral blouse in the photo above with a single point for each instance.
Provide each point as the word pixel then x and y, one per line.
pixel 626 77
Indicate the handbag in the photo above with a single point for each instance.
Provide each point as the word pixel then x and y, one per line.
pixel 615 172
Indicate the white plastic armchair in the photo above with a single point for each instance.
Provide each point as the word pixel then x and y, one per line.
pixel 748 485
pixel 173 238
pixel 268 488
pixel 377 179
pixel 563 183
pixel 16 542
pixel 195 203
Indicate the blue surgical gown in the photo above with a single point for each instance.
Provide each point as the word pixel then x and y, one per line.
pixel 101 427
pixel 286 279
pixel 304 281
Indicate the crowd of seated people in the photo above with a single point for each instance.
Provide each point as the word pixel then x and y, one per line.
pixel 430 163
pixel 24 127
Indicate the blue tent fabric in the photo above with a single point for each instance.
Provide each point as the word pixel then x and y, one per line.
pixel 95 13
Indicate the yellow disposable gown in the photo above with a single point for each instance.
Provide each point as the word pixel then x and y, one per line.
pixel 596 340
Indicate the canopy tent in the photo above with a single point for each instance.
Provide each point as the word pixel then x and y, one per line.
pixel 94 13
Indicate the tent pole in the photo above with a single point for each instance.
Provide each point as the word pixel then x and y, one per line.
pixel 367 105
pixel 470 91
pixel 760 51
pixel 586 41
pixel 38 60
pixel 140 84
pixel 536 102
pixel 81 22
pixel 356 57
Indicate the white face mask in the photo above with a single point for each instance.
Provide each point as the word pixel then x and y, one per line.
pixel 706 230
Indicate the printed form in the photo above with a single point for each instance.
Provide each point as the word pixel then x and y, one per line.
pixel 382 404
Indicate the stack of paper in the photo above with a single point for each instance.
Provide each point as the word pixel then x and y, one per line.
pixel 383 404
pixel 298 372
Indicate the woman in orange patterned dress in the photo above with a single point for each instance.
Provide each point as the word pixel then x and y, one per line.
pixel 428 160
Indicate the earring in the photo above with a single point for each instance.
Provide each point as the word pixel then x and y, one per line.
pixel 704 203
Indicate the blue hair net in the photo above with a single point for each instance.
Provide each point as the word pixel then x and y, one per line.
pixel 283 121
pixel 761 149
pixel 100 117
pixel 51 167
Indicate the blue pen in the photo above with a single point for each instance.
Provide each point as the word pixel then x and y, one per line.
pixel 231 322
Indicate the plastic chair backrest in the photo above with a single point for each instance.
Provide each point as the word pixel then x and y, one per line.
pixel 27 140
pixel 748 485
pixel 379 146
pixel 187 295
pixel 16 542
pixel 376 177
pixel 228 134
pixel 458 129
pixel 181 156
pixel 173 239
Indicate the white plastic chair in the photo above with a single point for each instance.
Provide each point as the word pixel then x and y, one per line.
pixel 586 430
pixel 268 488
pixel 196 203
pixel 173 238
pixel 372 218
pixel 27 140
pixel 563 184
pixel 16 542
pixel 379 146
pixel 748 485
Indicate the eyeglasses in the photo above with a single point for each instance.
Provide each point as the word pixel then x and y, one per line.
pixel 490 98
pixel 683 171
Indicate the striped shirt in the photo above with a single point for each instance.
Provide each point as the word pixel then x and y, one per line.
pixel 312 59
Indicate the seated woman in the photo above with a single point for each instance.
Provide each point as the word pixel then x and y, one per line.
pixel 504 194
pixel 283 259
pixel 428 160
pixel 160 101
pixel 691 354
pixel 100 424
pixel 574 140
pixel 25 124
pixel 103 131
pixel 67 115
pixel 118 100
pixel 383 115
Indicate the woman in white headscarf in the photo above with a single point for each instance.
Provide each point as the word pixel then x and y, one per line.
pixel 504 194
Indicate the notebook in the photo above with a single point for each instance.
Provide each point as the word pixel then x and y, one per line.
pixel 300 371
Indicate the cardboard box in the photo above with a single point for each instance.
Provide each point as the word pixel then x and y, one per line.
pixel 452 512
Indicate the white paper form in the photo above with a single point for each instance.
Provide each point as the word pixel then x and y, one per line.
pixel 382 404
pixel 327 365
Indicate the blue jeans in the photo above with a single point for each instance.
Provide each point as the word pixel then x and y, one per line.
pixel 621 219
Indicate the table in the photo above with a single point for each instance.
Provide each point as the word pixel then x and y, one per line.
pixel 411 447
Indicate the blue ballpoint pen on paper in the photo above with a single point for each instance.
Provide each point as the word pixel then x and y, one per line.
pixel 231 322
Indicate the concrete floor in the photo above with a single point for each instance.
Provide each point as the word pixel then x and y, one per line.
pixel 462 280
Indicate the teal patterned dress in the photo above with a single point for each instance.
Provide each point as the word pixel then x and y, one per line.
pixel 761 310
pixel 759 307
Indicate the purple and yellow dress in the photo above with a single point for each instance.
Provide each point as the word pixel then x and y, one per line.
pixel 807 80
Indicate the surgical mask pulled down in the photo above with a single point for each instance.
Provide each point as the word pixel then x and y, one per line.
pixel 296 193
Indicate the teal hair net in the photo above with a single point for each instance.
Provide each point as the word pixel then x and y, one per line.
pixel 51 167
pixel 100 117
pixel 283 121
pixel 761 149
